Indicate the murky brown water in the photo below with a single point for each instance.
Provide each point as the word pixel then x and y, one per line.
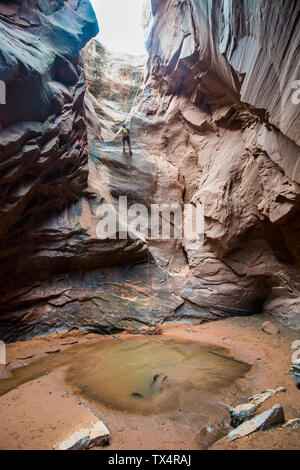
pixel 152 375
pixel 146 375
pixel 178 384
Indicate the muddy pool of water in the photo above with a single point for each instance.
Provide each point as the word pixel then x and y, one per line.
pixel 152 375
pixel 142 375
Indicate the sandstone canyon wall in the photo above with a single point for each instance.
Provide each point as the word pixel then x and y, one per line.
pixel 219 107
pixel 114 80
pixel 214 123
pixel 56 274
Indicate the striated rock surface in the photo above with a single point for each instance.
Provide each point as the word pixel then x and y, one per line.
pixel 98 285
pixel 43 136
pixel 114 81
pixel 245 411
pixel 215 123
pixel 49 187
pixel 272 417
pixel 218 107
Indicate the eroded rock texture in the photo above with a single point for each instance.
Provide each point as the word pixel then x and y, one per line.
pixel 215 123
pixel 56 273
pixel 219 109
pixel 44 163
pixel 54 268
pixel 114 81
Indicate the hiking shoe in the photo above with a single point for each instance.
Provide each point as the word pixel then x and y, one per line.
pixel 130 152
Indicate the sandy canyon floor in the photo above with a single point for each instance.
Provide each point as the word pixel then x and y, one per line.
pixel 38 408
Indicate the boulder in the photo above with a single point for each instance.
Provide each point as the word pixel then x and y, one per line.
pixel 260 398
pixel 86 438
pixel 79 440
pixel 99 434
pixel 241 413
pixel 295 369
pixel 291 423
pixel 263 421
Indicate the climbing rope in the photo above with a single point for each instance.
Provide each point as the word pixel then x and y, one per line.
pixel 156 330
pixel 149 252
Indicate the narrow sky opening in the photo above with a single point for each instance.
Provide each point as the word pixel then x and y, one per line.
pixel 120 23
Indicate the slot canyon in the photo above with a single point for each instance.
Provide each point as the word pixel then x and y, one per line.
pixel 214 112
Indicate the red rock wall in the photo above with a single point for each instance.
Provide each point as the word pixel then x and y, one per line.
pixel 43 135
pixel 114 80
pixel 218 105
pixel 50 189
pixel 215 124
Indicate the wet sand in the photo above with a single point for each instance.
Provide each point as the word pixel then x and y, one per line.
pixel 27 426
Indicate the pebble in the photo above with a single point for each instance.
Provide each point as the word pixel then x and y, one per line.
pixel 270 329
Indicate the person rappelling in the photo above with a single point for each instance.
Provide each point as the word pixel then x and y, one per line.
pixel 125 137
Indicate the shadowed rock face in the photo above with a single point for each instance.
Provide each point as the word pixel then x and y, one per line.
pixel 54 268
pixel 43 137
pixel 214 124
pixel 44 153
pixel 217 105
pixel 114 80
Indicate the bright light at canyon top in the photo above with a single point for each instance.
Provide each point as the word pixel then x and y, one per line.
pixel 120 23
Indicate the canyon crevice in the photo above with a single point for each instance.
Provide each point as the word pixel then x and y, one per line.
pixel 214 123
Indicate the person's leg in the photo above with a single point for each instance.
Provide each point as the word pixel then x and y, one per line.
pixel 123 140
